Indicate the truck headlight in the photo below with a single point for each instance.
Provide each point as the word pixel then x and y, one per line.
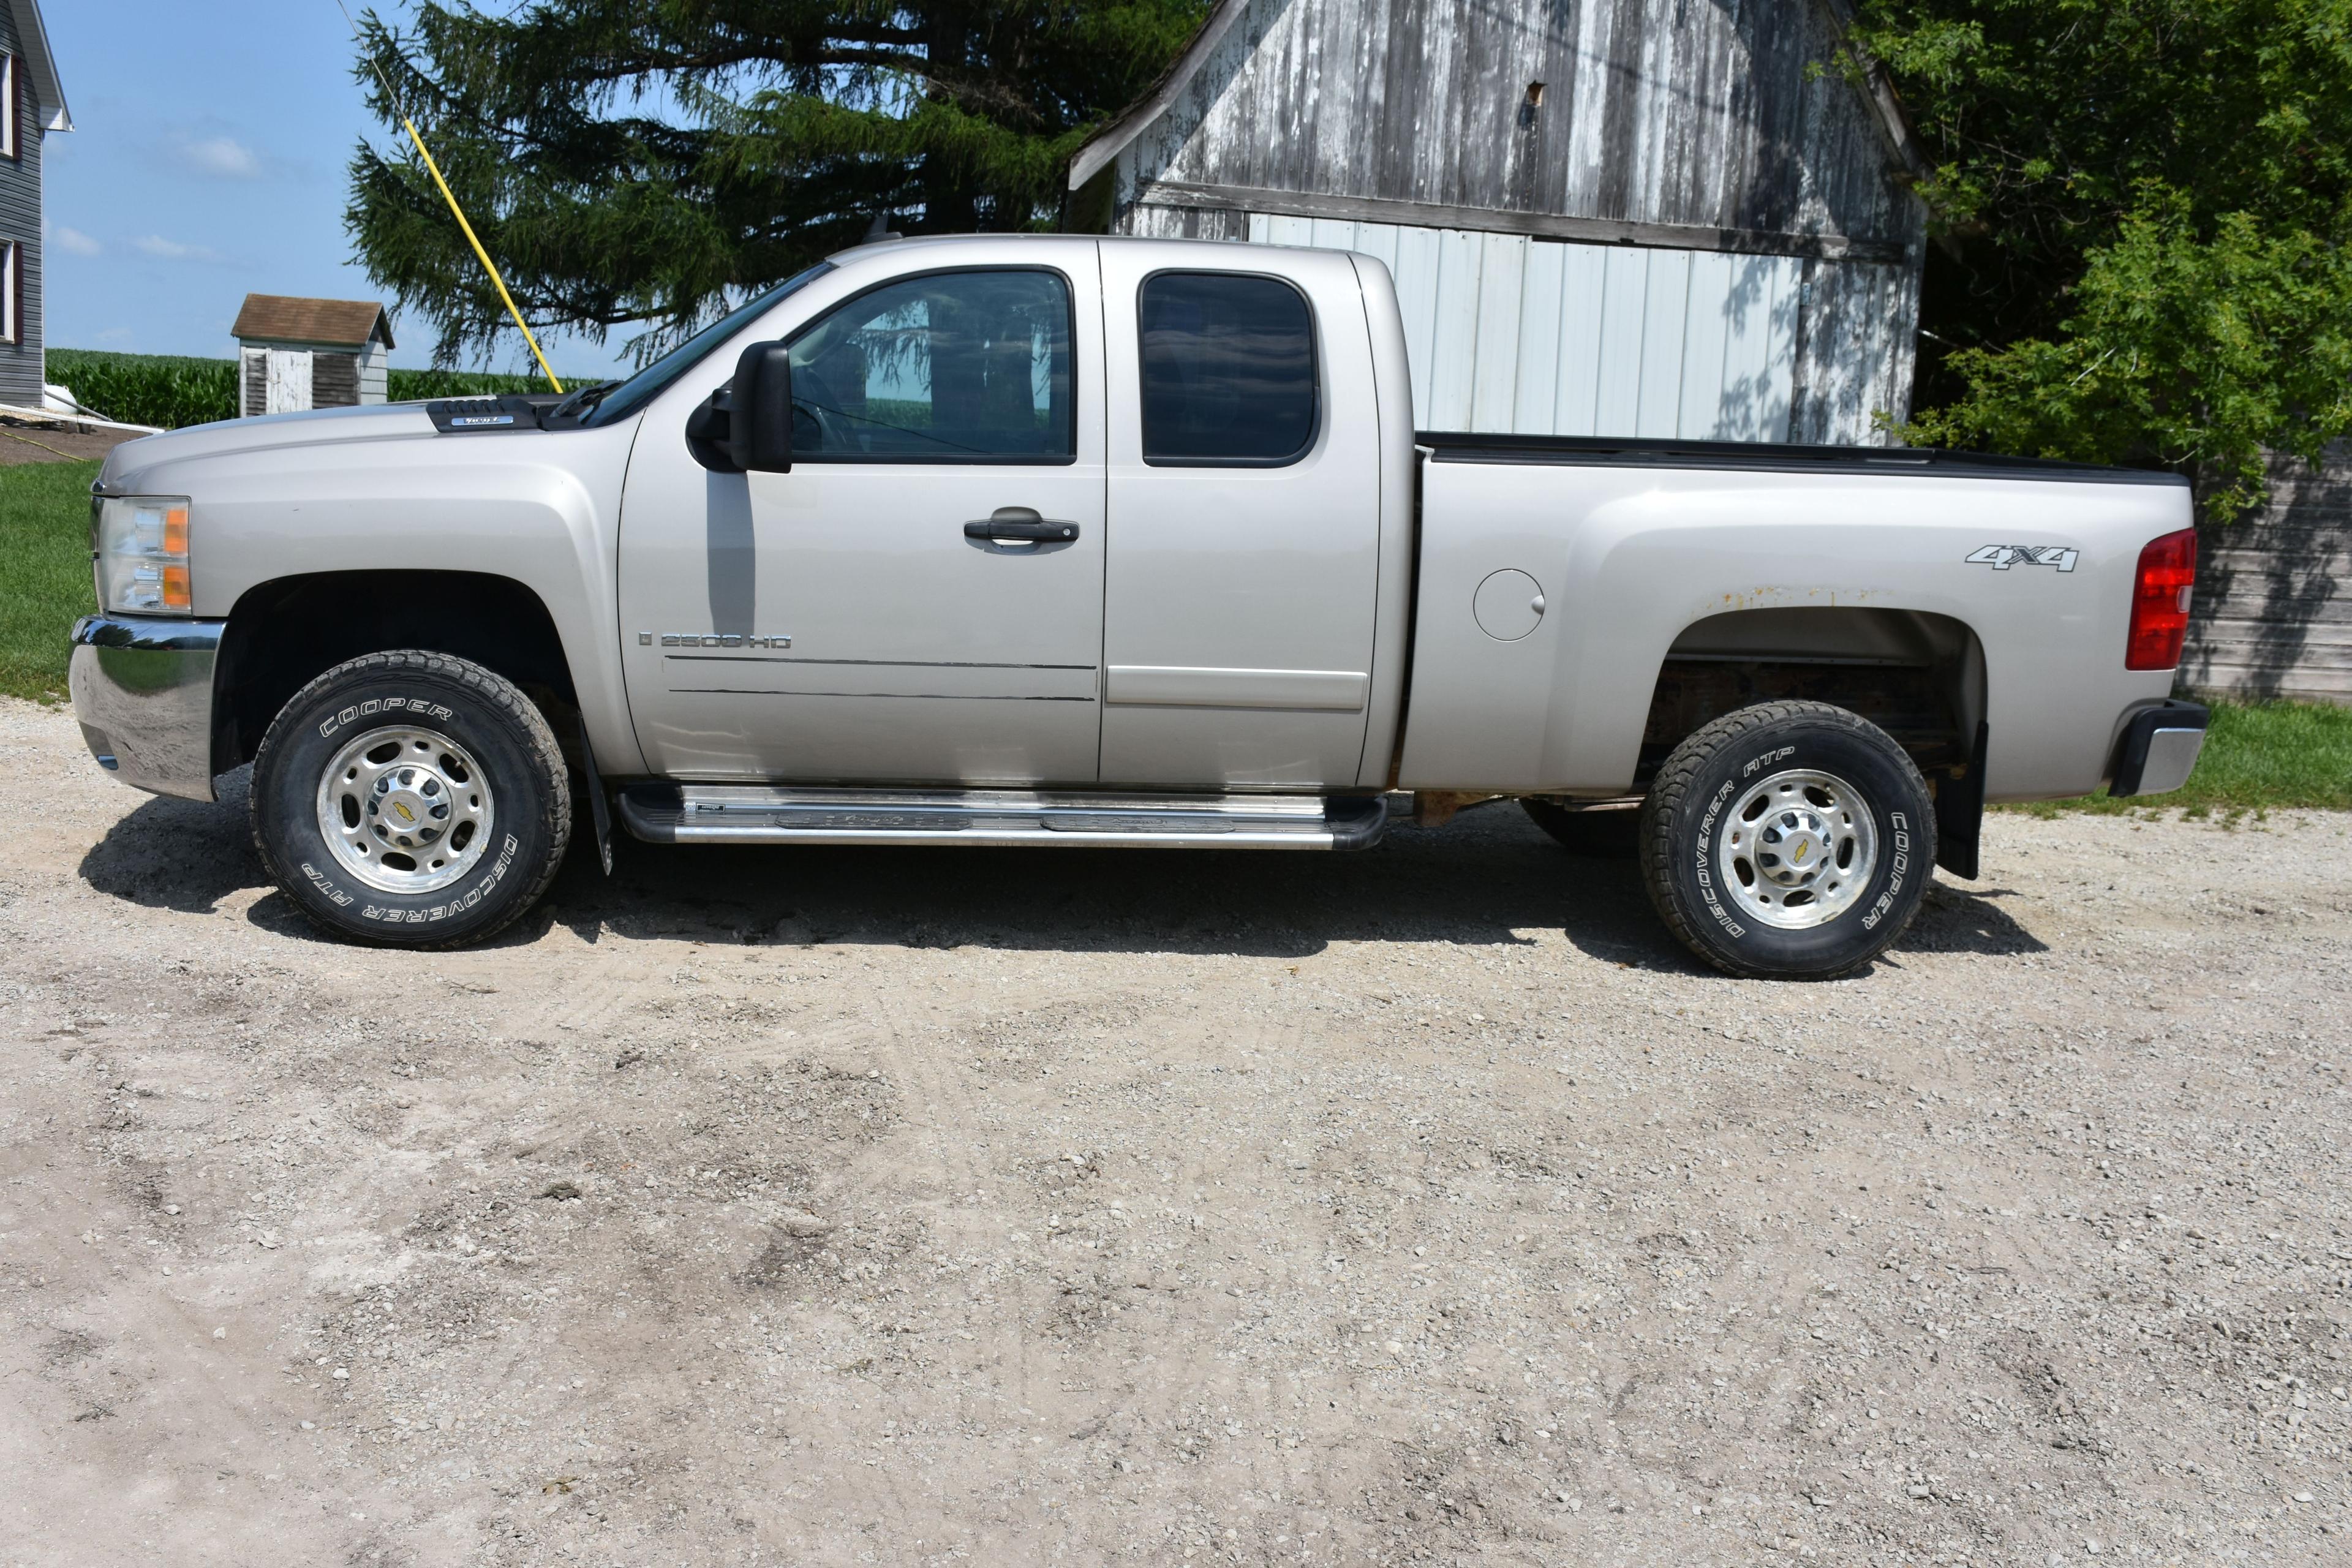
pixel 141 544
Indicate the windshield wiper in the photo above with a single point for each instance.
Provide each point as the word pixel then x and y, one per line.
pixel 582 400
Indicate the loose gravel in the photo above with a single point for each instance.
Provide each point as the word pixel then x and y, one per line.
pixel 1425 1206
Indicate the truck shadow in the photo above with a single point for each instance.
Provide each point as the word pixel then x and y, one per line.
pixel 1488 879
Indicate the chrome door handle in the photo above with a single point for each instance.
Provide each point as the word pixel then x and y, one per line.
pixel 1020 523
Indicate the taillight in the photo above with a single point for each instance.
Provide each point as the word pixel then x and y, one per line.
pixel 2159 618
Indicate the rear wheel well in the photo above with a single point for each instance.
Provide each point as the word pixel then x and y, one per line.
pixel 285 633
pixel 1920 676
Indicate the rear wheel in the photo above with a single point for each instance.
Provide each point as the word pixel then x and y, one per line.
pixel 1790 840
pixel 410 799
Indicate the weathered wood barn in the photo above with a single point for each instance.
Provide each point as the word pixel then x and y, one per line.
pixel 1615 217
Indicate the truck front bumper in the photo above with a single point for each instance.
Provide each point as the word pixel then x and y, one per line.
pixel 142 688
pixel 2158 748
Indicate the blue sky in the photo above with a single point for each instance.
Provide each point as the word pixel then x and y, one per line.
pixel 207 162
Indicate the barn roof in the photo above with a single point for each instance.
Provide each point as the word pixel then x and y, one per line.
pixel 1097 150
pixel 281 318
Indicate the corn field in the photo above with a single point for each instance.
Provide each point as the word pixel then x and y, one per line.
pixel 168 391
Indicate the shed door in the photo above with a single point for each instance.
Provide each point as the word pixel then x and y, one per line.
pixel 288 384
pixel 1542 337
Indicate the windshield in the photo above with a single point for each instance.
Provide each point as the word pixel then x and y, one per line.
pixel 651 382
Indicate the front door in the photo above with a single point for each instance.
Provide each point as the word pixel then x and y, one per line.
pixel 1244 520
pixel 840 623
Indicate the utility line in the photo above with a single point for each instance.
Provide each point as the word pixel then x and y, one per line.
pixel 458 212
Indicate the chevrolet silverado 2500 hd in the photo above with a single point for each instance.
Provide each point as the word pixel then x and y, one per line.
pixel 1061 540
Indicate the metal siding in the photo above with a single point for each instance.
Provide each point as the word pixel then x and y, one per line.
pixel 1494 373
pixel 21 366
pixel 1583 299
pixel 1536 396
pixel 1540 337
pixel 1617 396
pixel 1666 315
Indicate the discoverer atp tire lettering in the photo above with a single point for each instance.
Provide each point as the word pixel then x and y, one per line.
pixel 410 799
pixel 1789 840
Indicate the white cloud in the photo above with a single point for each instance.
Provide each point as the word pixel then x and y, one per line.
pixel 164 250
pixel 222 157
pixel 73 242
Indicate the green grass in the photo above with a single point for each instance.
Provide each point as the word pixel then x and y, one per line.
pixel 43 571
pixel 2259 756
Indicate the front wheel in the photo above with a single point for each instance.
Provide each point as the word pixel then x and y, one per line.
pixel 410 799
pixel 1789 840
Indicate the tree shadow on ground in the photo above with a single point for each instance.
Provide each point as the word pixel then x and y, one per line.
pixel 1488 878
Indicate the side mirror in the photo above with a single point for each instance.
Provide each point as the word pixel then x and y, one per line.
pixel 747 424
pixel 759 434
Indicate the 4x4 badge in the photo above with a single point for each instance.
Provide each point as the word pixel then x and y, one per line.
pixel 2002 557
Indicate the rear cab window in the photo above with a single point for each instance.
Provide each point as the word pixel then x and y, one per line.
pixel 1229 370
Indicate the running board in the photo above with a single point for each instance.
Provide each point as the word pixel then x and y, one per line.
pixel 741 813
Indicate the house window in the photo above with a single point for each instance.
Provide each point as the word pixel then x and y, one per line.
pixel 11 100
pixel 11 291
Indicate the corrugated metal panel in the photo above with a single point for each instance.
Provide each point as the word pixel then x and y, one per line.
pixel 1544 338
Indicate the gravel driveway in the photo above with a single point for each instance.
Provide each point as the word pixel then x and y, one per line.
pixel 821 1206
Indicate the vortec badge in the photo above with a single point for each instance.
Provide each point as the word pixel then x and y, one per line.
pixel 2002 557
pixel 713 640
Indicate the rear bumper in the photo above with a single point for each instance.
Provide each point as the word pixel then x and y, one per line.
pixel 143 691
pixel 2158 749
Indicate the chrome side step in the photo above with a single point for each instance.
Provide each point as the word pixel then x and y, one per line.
pixel 750 814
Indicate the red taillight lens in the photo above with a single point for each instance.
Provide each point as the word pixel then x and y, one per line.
pixel 2159 618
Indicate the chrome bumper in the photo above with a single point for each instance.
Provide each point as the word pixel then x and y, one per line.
pixel 143 691
pixel 2158 748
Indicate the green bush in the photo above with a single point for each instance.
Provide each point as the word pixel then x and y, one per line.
pixel 168 391
pixel 162 389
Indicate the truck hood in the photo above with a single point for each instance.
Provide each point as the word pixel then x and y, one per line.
pixel 236 438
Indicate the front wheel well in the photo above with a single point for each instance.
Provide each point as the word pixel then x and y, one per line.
pixel 283 634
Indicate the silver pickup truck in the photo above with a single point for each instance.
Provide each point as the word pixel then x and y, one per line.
pixel 1056 541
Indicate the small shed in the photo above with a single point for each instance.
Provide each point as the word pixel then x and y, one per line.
pixel 295 354
pixel 1647 218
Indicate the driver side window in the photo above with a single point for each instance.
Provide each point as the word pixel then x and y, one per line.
pixel 956 367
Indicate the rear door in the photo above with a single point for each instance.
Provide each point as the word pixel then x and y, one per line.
pixel 1243 519
pixel 840 622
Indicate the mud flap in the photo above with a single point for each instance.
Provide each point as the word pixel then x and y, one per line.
pixel 599 811
pixel 1960 814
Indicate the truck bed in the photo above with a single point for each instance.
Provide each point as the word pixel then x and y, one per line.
pixel 1760 457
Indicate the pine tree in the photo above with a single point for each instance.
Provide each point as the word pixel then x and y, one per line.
pixel 641 164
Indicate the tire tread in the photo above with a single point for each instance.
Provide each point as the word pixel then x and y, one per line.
pixel 1663 811
pixel 485 685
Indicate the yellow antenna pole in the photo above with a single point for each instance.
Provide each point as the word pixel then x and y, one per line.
pixel 488 265
pixel 433 168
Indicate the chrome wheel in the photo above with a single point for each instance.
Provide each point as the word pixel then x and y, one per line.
pixel 405 810
pixel 1797 849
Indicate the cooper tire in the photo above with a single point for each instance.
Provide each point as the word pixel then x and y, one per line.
pixel 1595 835
pixel 1742 834
pixel 410 799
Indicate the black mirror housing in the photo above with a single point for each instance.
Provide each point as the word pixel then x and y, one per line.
pixel 759 434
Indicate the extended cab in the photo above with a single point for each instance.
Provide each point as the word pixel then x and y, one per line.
pixel 1047 540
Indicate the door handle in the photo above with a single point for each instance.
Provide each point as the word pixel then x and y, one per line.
pixel 1020 523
